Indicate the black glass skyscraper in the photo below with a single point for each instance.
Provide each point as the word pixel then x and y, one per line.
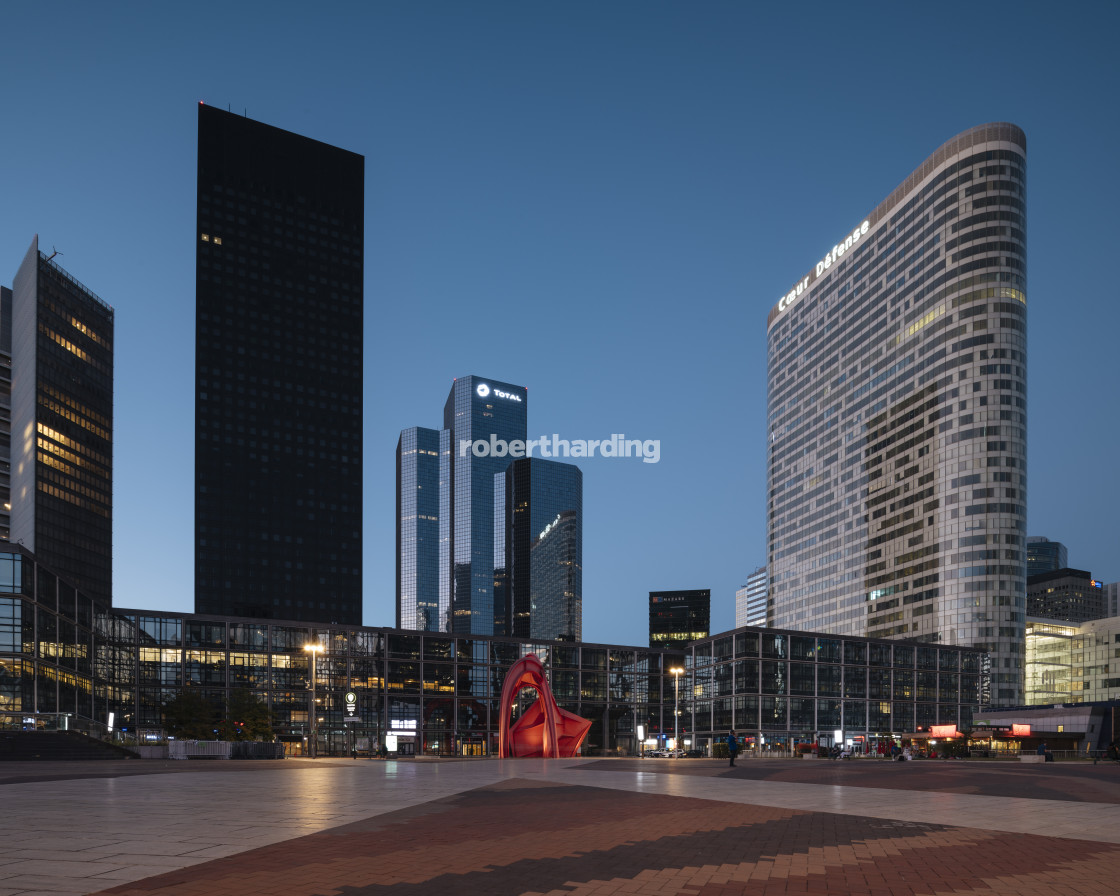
pixel 62 425
pixel 540 577
pixel 484 418
pixel 278 395
pixel 678 617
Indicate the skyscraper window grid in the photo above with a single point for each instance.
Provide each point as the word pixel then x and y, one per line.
pixel 897 416
pixel 421 604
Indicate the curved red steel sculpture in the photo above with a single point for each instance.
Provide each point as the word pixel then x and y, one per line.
pixel 544 729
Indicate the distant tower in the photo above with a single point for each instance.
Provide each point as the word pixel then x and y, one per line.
pixel 539 556
pixel 278 374
pixel 422 591
pixel 1044 555
pixel 677 618
pixel 750 600
pixel 478 410
pixel 62 425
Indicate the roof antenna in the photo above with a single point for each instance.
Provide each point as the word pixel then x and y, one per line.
pixel 54 252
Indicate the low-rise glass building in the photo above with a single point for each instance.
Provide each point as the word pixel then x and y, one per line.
pixel 438 693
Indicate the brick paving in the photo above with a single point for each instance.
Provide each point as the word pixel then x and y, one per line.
pixel 522 837
pixel 1076 781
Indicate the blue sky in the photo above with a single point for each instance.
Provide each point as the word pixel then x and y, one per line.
pixel 600 201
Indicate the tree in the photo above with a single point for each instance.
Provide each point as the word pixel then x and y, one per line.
pixel 189 716
pixel 247 717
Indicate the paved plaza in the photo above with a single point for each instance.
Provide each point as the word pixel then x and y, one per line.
pixel 585 826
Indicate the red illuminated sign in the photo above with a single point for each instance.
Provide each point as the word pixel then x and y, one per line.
pixel 1020 730
pixel 944 731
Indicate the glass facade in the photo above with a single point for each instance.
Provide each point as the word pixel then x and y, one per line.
pixel 421 575
pixel 778 689
pixel 278 376
pixel 437 692
pixel 1044 555
pixel 897 417
pixel 1073 663
pixel 62 337
pixel 540 504
pixel 478 412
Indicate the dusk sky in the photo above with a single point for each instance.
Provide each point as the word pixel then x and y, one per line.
pixel 600 201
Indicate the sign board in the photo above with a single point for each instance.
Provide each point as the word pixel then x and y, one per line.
pixel 351 703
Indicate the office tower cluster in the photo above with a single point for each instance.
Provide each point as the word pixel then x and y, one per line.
pixel 896 402
pixel 487 542
pixel 278 375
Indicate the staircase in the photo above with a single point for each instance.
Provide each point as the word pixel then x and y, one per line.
pixel 57 745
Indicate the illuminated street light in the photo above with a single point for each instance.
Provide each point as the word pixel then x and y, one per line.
pixel 677 672
pixel 313 649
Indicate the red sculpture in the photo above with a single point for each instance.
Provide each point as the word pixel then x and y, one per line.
pixel 544 729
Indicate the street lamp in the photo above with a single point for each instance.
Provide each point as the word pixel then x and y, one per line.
pixel 313 649
pixel 677 672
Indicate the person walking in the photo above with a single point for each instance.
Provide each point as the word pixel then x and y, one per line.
pixel 732 747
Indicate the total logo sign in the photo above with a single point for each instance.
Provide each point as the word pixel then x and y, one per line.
pixel 484 391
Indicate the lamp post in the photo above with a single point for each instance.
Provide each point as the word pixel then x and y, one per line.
pixel 314 650
pixel 677 672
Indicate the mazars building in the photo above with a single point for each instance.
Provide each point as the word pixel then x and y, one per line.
pixel 897 421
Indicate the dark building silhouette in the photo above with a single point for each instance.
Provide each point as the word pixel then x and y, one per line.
pixel 62 424
pixel 677 618
pixel 1044 555
pixel 278 377
pixel 1071 595
pixel 539 557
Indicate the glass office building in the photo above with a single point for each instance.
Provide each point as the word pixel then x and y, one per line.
pixel 483 417
pixel 62 418
pixel 896 365
pixel 65 655
pixel 779 688
pixel 278 373
pixel 1044 555
pixel 422 559
pixel 539 556
pixel 677 618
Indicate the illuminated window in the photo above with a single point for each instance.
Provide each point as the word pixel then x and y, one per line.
pixel 205 237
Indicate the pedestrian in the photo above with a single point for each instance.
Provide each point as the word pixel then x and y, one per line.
pixel 732 747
